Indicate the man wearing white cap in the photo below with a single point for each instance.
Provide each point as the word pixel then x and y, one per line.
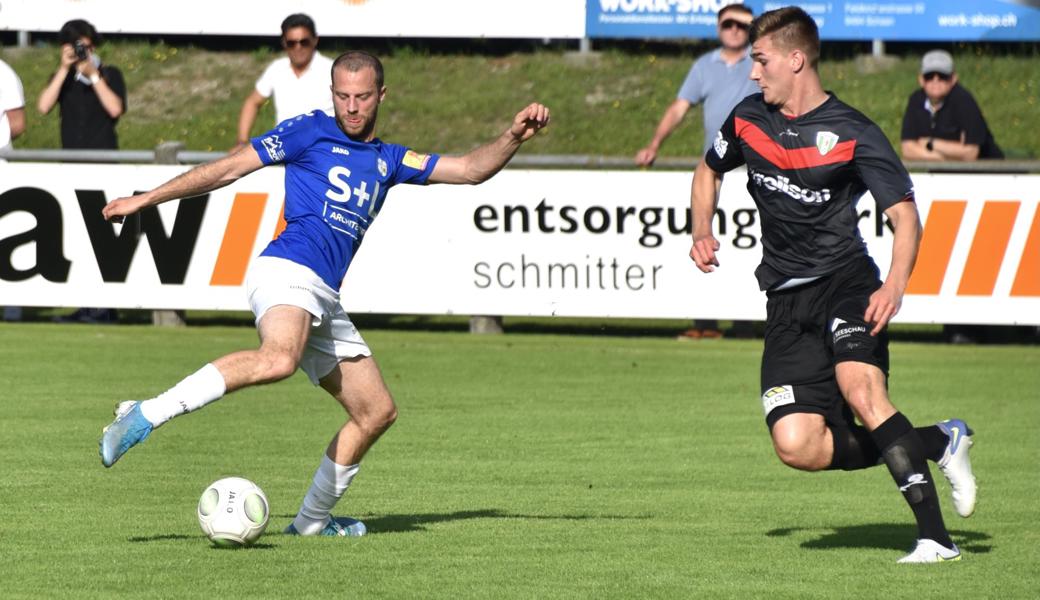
pixel 942 120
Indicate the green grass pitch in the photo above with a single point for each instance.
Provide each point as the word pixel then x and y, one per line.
pixel 522 466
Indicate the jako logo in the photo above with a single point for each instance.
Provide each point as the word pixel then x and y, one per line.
pixel 915 479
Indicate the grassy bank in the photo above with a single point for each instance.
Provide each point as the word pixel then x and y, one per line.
pixel 607 103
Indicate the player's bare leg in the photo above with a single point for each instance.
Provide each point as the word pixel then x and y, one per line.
pixel 283 335
pixel 358 385
pixel 803 441
pixel 864 388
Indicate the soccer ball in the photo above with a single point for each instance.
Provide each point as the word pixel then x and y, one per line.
pixel 233 512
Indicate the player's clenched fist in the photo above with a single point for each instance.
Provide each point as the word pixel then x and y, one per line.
pixel 529 121
pixel 703 253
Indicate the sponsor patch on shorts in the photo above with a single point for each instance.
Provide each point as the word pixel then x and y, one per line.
pixel 842 329
pixel 415 160
pixel 778 395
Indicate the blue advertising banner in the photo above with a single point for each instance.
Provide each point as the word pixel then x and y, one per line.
pixel 932 20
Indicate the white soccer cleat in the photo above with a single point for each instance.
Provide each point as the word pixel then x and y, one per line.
pixel 956 465
pixel 931 551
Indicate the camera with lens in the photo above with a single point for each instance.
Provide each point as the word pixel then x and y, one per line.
pixel 82 50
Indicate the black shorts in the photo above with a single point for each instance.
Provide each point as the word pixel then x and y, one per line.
pixel 810 329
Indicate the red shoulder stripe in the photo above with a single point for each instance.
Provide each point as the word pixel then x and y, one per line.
pixel 784 158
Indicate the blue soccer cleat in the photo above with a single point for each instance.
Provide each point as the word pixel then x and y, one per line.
pixel 127 430
pixel 337 526
pixel 956 465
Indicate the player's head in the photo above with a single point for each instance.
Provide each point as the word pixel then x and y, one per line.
pixel 300 39
pixel 357 90
pixel 785 47
pixel 734 21
pixel 937 76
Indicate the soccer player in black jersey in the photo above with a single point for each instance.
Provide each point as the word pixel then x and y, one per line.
pixel 810 158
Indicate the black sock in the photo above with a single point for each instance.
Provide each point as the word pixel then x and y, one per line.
pixel 935 441
pixel 854 449
pixel 904 453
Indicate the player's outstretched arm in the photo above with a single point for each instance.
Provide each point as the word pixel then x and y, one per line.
pixel 201 179
pixel 703 198
pixel 482 163
pixel 886 301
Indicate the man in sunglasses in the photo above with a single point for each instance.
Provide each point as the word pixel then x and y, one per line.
pixel 719 80
pixel 942 120
pixel 299 81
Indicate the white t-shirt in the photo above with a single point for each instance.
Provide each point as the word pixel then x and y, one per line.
pixel 11 97
pixel 297 95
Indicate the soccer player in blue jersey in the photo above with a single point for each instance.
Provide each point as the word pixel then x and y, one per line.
pixel 337 175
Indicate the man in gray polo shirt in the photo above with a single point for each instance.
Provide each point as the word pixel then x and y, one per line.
pixel 719 79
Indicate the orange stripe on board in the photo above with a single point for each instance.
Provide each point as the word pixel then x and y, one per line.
pixel 1027 280
pixel 940 232
pixel 280 226
pixel 988 249
pixel 239 236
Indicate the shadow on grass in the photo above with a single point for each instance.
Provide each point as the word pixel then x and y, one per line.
pixel 163 538
pixel 417 522
pixel 177 537
pixel 886 536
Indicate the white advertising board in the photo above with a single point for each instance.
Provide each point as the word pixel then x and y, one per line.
pixel 569 243
pixel 334 18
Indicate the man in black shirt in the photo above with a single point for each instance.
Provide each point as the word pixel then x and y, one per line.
pixel 942 120
pixel 810 157
pixel 92 96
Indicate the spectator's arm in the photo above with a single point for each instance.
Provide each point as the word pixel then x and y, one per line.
pixel 951 150
pixel 247 116
pixel 673 115
pixel 110 100
pixel 49 96
pixel 16 120
pixel 918 150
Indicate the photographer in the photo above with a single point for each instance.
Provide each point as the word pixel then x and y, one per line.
pixel 92 96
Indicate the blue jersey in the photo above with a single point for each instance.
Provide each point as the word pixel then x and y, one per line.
pixel 334 188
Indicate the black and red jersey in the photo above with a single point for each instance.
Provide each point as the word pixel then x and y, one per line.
pixel 806 175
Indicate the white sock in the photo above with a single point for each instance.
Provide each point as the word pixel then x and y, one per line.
pixel 192 393
pixel 330 483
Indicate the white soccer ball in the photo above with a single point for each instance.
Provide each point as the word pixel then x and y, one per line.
pixel 233 512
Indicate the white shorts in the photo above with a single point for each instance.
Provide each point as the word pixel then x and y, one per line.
pixel 272 281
